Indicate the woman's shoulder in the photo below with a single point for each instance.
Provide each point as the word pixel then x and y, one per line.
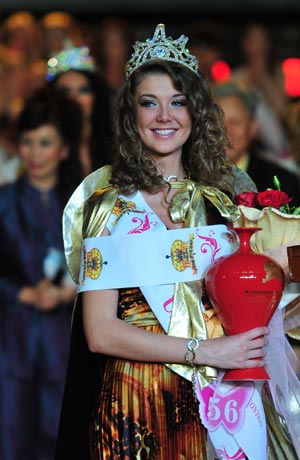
pixel 87 190
pixel 100 204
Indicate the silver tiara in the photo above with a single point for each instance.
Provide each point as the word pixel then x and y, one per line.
pixel 70 58
pixel 161 47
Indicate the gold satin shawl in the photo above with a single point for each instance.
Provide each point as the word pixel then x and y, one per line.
pixel 74 214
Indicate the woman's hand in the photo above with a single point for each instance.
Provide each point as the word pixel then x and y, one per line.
pixel 109 335
pixel 238 351
pixel 47 296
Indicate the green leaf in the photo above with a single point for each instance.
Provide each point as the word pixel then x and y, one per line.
pixel 276 183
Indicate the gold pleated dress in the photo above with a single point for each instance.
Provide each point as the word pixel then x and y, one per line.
pixel 145 411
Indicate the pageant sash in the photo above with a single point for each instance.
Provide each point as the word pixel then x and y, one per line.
pixel 164 257
pixel 234 416
pixel 153 261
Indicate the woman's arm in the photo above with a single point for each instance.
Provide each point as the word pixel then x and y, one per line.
pixel 107 334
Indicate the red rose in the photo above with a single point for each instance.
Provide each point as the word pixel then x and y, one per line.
pixel 246 199
pixel 273 198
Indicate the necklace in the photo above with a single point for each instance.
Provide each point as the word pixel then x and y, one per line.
pixel 170 178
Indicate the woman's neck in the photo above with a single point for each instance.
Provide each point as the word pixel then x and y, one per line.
pixel 42 185
pixel 171 169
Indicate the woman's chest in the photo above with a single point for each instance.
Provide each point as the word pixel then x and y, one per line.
pixel 137 214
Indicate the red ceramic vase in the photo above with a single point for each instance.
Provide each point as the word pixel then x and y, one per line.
pixel 245 289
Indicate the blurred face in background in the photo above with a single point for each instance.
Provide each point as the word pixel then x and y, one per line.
pixel 206 55
pixel 256 42
pixel 41 150
pixel 114 46
pixel 240 126
pixel 77 86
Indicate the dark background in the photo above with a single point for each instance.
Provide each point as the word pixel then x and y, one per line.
pixel 139 6
pixel 171 9
pixel 282 17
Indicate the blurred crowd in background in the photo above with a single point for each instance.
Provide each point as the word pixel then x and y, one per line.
pixel 28 41
pixel 50 141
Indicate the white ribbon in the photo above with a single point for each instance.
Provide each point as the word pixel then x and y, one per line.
pixel 177 255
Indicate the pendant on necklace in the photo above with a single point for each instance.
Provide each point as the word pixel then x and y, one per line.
pixel 170 178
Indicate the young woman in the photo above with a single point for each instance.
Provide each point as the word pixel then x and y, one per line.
pixel 168 175
pixel 76 75
pixel 36 295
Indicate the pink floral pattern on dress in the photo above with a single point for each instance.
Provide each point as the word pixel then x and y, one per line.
pixel 210 244
pixel 239 455
pixel 143 224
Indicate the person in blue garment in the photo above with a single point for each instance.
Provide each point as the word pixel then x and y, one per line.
pixel 36 296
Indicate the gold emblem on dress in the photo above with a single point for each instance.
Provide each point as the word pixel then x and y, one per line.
pixel 92 264
pixel 123 207
pixel 182 255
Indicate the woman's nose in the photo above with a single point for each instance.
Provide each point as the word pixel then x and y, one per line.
pixel 34 149
pixel 164 113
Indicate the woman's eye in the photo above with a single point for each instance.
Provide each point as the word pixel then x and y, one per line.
pixel 147 103
pixel 24 142
pixel 179 103
pixel 87 89
pixel 46 143
pixel 65 90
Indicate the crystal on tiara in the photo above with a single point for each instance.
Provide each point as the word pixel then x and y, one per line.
pixel 161 47
pixel 70 58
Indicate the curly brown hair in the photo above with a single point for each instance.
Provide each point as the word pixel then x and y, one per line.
pixel 203 154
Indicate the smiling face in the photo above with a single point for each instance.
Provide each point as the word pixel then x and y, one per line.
pixel 42 149
pixel 162 116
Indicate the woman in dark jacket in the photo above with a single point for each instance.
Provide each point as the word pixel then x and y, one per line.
pixel 36 295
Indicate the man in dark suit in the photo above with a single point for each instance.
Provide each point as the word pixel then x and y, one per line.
pixel 238 104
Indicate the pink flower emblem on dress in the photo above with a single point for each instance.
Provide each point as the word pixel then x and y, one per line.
pixel 239 455
pixel 143 224
pixel 167 303
pixel 210 244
